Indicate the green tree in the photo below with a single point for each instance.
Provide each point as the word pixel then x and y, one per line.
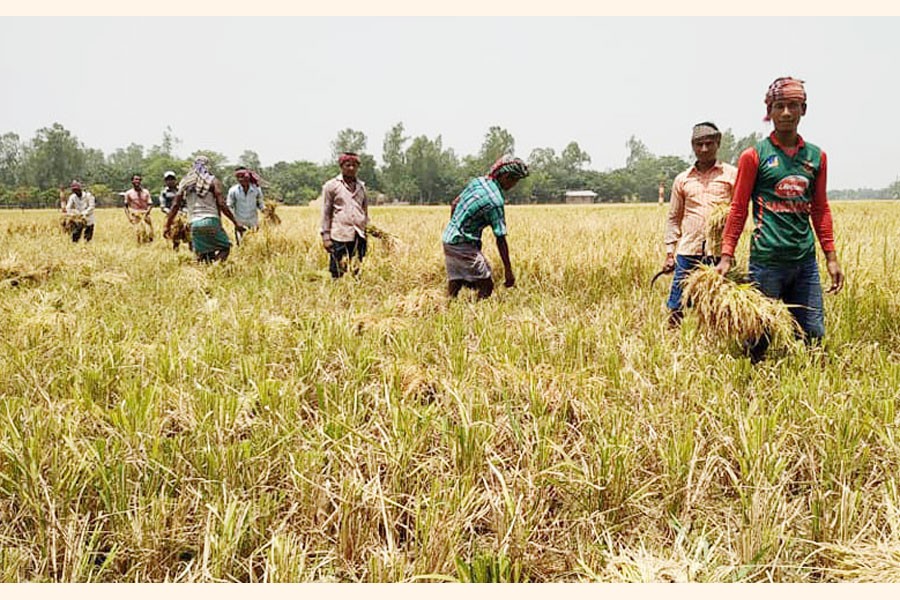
pixel 433 170
pixel 637 152
pixel 297 182
pixel 11 155
pixel 250 160
pixel 122 164
pixel 348 140
pixel 893 190
pixel 55 156
pixel 396 178
pixel 573 158
pixel 497 143
pixel 730 148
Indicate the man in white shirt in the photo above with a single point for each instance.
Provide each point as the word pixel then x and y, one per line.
pixel 245 199
pixel 80 209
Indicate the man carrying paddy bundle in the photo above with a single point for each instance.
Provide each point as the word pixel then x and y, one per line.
pixel 479 205
pixel 167 200
pixel 245 199
pixel 201 191
pixel 80 211
pixel 695 192
pixel 138 204
pixel 785 179
pixel 345 215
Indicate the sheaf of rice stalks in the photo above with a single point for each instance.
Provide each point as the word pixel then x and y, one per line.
pixel 737 311
pixel 143 228
pixel 269 216
pixel 863 563
pixel 715 227
pixel 68 222
pixel 391 242
pixel 14 271
pixel 180 230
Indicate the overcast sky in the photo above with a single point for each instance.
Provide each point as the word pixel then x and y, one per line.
pixel 284 86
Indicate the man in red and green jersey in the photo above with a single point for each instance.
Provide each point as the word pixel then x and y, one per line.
pixel 784 178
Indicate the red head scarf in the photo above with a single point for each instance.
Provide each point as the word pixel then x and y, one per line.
pixel 784 88
pixel 348 156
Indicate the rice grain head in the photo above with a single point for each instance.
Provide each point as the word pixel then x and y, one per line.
pixel 715 227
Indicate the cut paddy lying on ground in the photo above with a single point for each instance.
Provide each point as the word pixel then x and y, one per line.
pixel 162 420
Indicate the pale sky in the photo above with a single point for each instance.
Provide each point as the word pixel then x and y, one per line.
pixel 284 86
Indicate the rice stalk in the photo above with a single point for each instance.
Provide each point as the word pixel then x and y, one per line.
pixel 270 219
pixel 715 227
pixel 391 242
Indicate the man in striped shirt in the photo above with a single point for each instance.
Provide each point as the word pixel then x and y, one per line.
pixel 480 205
pixel 785 179
pixel 345 215
pixel 694 194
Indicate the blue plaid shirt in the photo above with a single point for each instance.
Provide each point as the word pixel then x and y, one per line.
pixel 480 204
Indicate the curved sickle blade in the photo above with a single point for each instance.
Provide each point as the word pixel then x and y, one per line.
pixel 657 276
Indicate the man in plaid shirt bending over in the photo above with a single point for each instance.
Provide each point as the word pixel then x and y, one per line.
pixel 479 205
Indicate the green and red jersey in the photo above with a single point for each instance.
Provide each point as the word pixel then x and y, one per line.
pixel 788 191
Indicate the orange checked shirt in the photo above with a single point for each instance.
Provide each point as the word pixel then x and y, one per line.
pixel 693 196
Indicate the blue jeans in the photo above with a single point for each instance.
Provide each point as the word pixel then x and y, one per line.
pixel 797 284
pixel 684 264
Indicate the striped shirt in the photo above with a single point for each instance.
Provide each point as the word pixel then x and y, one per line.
pixel 694 193
pixel 345 212
pixel 480 205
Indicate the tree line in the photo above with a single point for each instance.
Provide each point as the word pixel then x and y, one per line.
pixel 414 169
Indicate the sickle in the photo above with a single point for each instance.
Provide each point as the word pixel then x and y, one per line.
pixel 662 272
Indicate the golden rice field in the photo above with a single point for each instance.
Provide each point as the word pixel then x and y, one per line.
pixel 162 420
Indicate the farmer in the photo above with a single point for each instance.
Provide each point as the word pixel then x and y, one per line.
pixel 785 178
pixel 244 199
pixel 138 204
pixel 479 205
pixel 166 200
pixel 345 215
pixel 694 193
pixel 81 204
pixel 201 191
pixel 167 195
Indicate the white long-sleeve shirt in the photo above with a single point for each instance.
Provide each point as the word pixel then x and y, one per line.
pixel 83 205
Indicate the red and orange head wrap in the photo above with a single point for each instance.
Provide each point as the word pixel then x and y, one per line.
pixel 784 88
pixel 253 176
pixel 348 156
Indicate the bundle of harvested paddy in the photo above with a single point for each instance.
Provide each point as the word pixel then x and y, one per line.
pixel 14 272
pixel 180 231
pixel 270 219
pixel 391 242
pixel 715 227
pixel 68 222
pixel 737 311
pixel 143 227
